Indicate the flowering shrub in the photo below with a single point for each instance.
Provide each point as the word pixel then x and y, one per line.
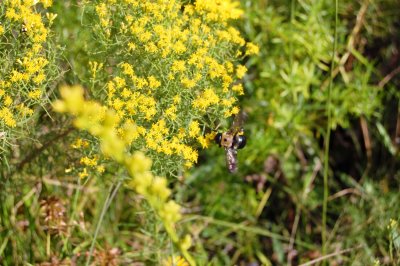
pixel 27 65
pixel 169 68
pixel 157 80
pixel 163 76
pixel 100 121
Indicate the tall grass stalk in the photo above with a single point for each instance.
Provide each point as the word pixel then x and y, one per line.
pixel 328 135
pixel 113 191
pixel 73 213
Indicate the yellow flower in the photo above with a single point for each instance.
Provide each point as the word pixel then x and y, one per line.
pixel 170 212
pixel 73 100
pixel 101 10
pixel 188 83
pixel 238 88
pixel 241 71
pixel 100 169
pixel 194 129
pixel 11 14
pixel 7 117
pixel 127 69
pixel 47 3
pixel 189 154
pixel 119 82
pixel 188 164
pixel 153 82
pixel 181 133
pixel 80 143
pixel 177 99
pixel 171 112
pixel 40 77
pixel 131 46
pixel 179 47
pixel 176 261
pixel 23 110
pixel 35 94
pixel 206 99
pixel 159 188
pixel 203 141
pixel 7 100
pixel 178 66
pixel 51 17
pixel 392 224
pixel 251 49
pixel 84 173
pixel 88 162
pixel 138 163
pixel 95 67
pixel 235 110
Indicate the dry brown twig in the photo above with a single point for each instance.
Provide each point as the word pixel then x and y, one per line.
pixel 351 44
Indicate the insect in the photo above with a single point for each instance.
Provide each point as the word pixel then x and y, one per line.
pixel 24 29
pixel 232 140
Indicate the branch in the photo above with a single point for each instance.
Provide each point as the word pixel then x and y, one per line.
pixel 47 144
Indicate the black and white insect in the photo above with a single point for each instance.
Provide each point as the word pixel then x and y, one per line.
pixel 24 29
pixel 232 140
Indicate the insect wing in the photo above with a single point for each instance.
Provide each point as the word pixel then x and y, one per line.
pixel 231 159
pixel 238 122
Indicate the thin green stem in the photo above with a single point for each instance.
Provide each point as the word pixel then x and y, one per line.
pixel 328 135
pixel 113 191
pixel 175 239
pixel 4 244
pixel 72 217
pixel 292 13
pixel 246 228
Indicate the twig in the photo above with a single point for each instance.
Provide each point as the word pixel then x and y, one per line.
pixel 396 140
pixel 328 133
pixel 314 261
pixel 367 140
pixel 36 152
pixel 352 42
pixel 356 30
pixel 344 192
pixel 293 233
pixel 263 202
pixel 246 228
pixel 388 77
pixel 34 190
pixel 69 186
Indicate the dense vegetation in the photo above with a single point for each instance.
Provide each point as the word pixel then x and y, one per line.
pixel 109 109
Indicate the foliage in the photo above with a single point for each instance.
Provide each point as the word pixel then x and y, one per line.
pixel 102 122
pixel 28 68
pixel 129 174
pixel 169 72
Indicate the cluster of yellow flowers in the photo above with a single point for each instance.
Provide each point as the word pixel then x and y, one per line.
pixel 104 126
pixel 91 163
pixel 174 70
pixel 23 60
pixel 176 261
